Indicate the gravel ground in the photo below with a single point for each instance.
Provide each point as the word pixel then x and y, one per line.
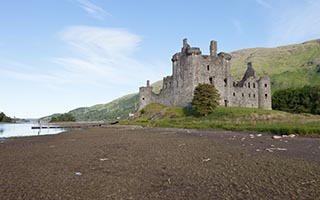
pixel 127 162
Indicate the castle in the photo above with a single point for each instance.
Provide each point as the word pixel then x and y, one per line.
pixel 190 67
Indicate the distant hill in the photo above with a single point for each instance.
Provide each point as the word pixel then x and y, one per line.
pixel 5 118
pixel 288 66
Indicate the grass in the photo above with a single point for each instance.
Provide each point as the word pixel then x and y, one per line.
pixel 243 119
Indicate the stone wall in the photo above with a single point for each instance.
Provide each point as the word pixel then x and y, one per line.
pixel 190 68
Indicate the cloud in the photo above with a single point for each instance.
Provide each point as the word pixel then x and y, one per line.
pixel 295 23
pixel 22 72
pixel 93 10
pixel 98 57
pixel 264 3
pixel 237 26
pixel 105 56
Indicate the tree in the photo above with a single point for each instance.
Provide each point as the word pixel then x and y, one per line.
pixel 4 118
pixel 63 118
pixel 206 99
pixel 298 100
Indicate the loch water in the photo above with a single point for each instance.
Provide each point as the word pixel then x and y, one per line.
pixel 20 130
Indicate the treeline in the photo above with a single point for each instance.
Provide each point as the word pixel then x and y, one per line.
pixel 298 100
pixel 63 118
pixel 4 118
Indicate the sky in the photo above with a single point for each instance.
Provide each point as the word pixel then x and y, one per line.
pixel 58 55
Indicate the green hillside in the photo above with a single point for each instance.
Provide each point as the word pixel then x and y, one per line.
pixel 288 66
pixel 120 107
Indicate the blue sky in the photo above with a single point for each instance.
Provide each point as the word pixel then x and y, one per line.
pixel 57 55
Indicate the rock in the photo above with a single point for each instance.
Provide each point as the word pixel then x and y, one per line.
pixel 78 173
pixel 258 150
pixel 251 136
pixel 259 135
pixel 276 137
pixel 281 149
pixel 206 160
pixel 291 135
pixel 269 150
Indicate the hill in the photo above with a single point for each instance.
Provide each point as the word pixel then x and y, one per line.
pixel 120 107
pixel 288 66
pixel 5 118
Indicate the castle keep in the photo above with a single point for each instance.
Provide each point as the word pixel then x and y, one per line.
pixel 190 67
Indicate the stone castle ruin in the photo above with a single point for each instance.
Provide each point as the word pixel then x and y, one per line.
pixel 190 67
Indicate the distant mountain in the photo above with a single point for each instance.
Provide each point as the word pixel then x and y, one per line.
pixel 288 66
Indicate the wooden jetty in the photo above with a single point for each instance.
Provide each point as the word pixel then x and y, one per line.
pixel 67 125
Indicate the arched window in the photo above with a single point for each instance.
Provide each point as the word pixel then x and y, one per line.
pixel 265 96
pixel 265 85
pixel 211 80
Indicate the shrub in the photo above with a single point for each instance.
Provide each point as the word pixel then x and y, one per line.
pixel 206 99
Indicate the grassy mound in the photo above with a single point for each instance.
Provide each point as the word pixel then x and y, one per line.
pixel 229 118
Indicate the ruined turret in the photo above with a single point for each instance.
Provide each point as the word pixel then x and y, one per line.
pixel 213 48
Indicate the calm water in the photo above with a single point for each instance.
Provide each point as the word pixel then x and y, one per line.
pixel 18 130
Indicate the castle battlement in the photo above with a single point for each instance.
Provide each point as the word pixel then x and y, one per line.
pixel 190 68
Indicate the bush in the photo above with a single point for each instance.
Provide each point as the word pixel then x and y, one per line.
pixel 297 100
pixel 63 118
pixel 206 99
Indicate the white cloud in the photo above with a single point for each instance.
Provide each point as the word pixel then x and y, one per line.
pixel 237 26
pixel 295 23
pixel 264 3
pixel 99 57
pixel 92 9
pixel 104 55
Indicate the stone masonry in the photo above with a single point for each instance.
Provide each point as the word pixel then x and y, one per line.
pixel 190 67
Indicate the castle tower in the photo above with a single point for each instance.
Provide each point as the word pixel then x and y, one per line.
pixel 190 67
pixel 213 48
pixel 145 95
pixel 264 92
